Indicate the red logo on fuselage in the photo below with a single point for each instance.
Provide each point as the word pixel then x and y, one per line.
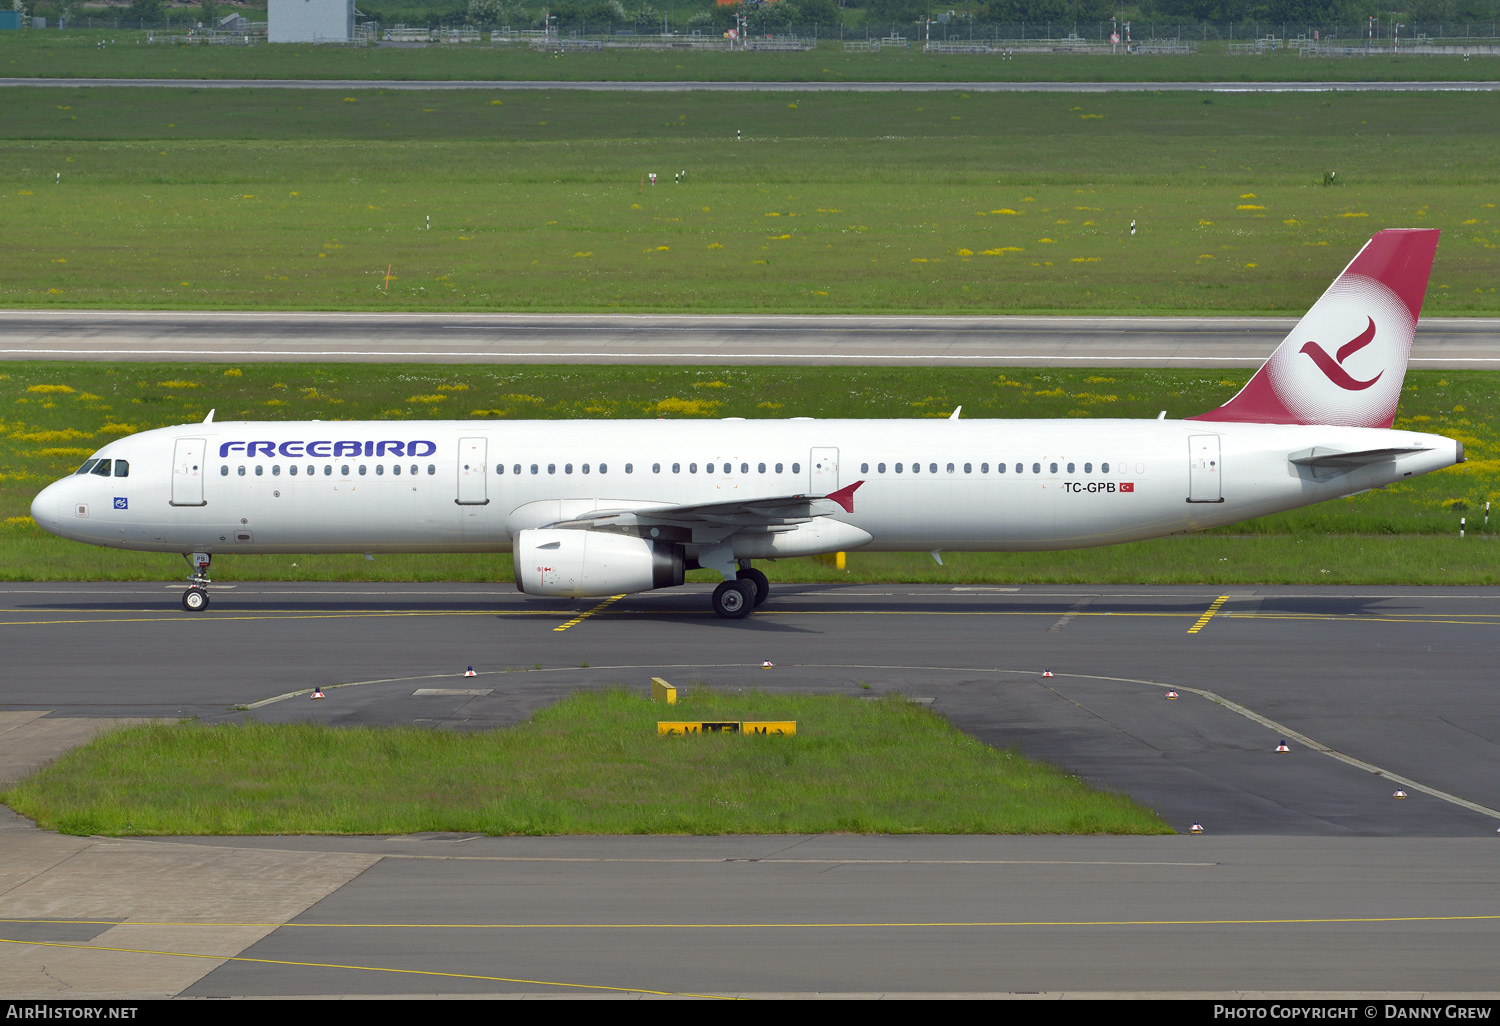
pixel 1334 368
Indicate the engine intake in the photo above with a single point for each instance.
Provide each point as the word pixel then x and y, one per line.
pixel 584 563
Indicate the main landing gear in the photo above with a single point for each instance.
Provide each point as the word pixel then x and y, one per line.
pixel 195 599
pixel 734 600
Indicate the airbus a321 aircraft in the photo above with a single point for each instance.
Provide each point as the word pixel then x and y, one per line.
pixel 593 508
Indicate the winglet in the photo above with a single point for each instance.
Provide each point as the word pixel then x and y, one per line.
pixel 845 496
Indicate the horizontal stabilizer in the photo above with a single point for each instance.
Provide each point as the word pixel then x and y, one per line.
pixel 1319 458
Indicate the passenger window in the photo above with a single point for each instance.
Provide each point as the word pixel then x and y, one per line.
pixel 361 470
pixel 1036 468
pixel 224 470
pixel 916 468
pixel 1054 468
pixel 677 468
pixel 692 468
pixel 380 470
pixel 431 469
pixel 394 470
pixel 864 468
pixel 898 468
pixel 932 468
pixel 584 468
pixel 1020 467
pixel 1104 468
pixel 242 470
pixel 516 469
pixel 292 470
pixel 276 470
pixel 629 468
pixel 709 469
pixel 760 468
pixel 567 468
pixel 416 470
pixel 744 468
pixel 344 469
pixel 984 468
pixel 1088 468
pixel 552 468
pixel 778 468
pixel 260 471
pixel 328 470
pixel 968 468
pixel 122 468
pixel 796 468
pixel 880 468
pixel 101 469
pixel 533 468
pixel 499 468
pixel 1070 468
pixel 950 468
pixel 656 468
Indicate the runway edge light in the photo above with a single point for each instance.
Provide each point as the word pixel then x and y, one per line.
pixel 1399 793
pixel 1171 694
pixel 470 672
pixel 1046 673
pixel 317 693
pixel 1281 747
pixel 1197 828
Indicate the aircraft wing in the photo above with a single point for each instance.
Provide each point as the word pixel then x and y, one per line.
pixel 769 511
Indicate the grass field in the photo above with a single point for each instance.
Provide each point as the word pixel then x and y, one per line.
pixel 945 202
pixel 52 416
pixel 590 764
pixel 126 54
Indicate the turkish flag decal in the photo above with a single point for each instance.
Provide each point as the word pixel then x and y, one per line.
pixel 1127 486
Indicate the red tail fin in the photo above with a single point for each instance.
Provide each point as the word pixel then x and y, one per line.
pixel 1344 361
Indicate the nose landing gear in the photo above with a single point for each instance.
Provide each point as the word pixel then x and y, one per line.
pixel 195 599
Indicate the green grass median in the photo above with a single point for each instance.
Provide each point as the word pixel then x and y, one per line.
pixel 872 203
pixel 592 764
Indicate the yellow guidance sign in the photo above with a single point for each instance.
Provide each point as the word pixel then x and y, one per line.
pixel 782 727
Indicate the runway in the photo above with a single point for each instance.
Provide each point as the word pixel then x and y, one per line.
pixel 1448 343
pixel 1310 875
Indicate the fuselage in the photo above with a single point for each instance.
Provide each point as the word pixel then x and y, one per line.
pixel 456 486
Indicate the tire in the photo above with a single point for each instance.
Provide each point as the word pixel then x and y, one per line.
pixel 758 579
pixel 733 600
pixel 195 600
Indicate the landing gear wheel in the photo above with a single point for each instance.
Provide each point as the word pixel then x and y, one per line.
pixel 755 577
pixel 195 600
pixel 733 600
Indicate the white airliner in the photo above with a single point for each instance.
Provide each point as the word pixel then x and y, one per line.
pixel 594 508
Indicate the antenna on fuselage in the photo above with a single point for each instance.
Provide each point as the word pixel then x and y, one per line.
pixel 210 418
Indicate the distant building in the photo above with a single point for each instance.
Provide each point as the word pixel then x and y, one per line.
pixel 10 19
pixel 309 21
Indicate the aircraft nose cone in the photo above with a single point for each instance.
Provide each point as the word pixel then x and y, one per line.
pixel 44 509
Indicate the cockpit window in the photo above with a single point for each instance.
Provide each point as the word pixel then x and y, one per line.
pixel 101 469
pixel 87 466
pixel 122 468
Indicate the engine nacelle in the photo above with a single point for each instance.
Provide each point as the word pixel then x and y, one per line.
pixel 582 563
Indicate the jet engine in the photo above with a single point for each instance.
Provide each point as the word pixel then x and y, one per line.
pixel 581 563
